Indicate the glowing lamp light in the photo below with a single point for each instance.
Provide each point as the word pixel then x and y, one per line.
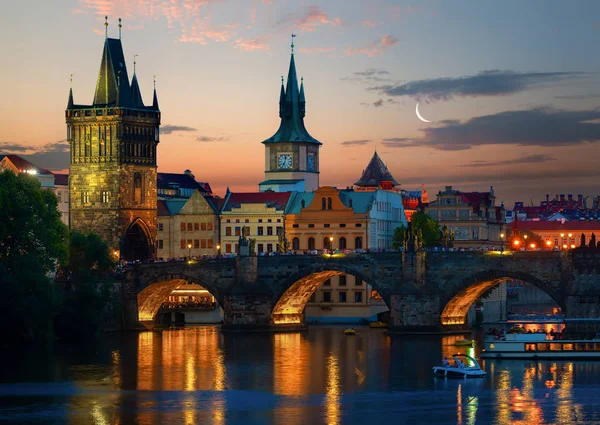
pixel 572 246
pixel 502 235
pixel 532 246
pixel 516 242
pixel 524 236
pixel 570 235
pixel 562 235
pixel 548 243
pixel 190 246
pixel 34 172
pixel 564 246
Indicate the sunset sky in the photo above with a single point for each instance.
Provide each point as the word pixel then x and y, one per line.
pixel 511 87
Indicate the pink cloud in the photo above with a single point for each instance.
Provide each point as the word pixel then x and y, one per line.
pixel 309 20
pixel 253 44
pixel 373 48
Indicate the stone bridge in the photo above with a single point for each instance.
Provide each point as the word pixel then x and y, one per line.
pixel 425 291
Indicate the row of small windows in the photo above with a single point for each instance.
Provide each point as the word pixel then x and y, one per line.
pixel 260 248
pixel 193 227
pixel 341 243
pixel 260 231
pixel 247 220
pixel 342 280
pixel 342 297
pixel 104 197
pixel 326 225
pixel 110 112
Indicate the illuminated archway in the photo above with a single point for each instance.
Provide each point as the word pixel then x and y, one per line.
pixel 473 287
pixel 151 298
pixel 137 242
pixel 297 290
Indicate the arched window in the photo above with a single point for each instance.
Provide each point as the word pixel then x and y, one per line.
pixel 326 243
pixel 328 203
pixel 358 242
pixel 137 187
pixel 342 243
pixel 311 244
pixel 323 204
pixel 295 244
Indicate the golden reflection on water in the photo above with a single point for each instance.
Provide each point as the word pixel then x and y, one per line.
pixel 290 364
pixel 332 391
pixel 503 398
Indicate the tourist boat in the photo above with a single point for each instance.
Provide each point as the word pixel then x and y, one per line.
pixel 469 369
pixel 537 346
pixel 464 343
pixel 378 325
pixel 350 331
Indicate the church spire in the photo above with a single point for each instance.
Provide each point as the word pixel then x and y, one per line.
pixel 291 109
pixel 112 67
pixel 301 99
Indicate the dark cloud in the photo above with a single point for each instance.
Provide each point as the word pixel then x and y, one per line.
pixel 545 126
pixel 356 142
pixel 378 103
pixel 371 75
pixel 212 139
pixel 168 129
pixel 486 83
pixel 530 159
pixel 52 156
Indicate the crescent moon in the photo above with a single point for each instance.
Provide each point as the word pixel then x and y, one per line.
pixel 419 115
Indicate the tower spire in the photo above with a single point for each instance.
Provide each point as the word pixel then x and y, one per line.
pixel 70 102
pixel 105 26
pixel 134 56
pixel 293 35
pixel 136 94
pixel 155 100
pixel 120 28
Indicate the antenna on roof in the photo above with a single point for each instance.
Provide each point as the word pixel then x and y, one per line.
pixel 154 79
pixel 134 56
pixel 71 80
pixel 120 28
pixel 105 26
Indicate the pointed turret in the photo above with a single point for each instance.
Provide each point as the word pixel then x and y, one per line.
pixel 281 99
pixel 112 69
pixel 376 175
pixel 136 95
pixel 70 102
pixel 302 100
pixel 155 98
pixel 291 111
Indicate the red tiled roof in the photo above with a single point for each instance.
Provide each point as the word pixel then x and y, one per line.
pixel 278 200
pixel 557 225
pixel 23 165
pixel 475 199
pixel 162 208
pixel 61 179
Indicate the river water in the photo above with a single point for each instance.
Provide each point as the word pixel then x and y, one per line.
pixel 200 376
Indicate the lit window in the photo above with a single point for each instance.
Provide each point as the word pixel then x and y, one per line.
pixel 105 196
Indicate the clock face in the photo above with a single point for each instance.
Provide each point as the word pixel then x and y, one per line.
pixel 285 161
pixel 311 162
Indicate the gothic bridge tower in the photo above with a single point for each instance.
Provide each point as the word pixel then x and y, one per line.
pixel 291 154
pixel 112 172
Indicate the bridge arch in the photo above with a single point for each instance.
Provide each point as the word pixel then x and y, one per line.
pixel 295 292
pixel 152 295
pixel 458 301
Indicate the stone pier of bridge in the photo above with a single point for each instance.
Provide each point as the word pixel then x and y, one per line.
pixel 426 292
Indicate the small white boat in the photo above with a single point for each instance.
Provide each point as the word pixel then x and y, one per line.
pixel 464 367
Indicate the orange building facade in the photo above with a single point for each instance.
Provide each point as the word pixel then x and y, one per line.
pixel 558 235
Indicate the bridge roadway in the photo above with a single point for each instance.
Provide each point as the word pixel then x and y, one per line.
pixel 425 291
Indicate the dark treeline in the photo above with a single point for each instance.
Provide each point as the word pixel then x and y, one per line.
pixel 34 245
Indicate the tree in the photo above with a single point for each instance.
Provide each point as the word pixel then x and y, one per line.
pixel 593 241
pixel 429 228
pixel 582 241
pixel 33 241
pixel 87 290
pixel 398 240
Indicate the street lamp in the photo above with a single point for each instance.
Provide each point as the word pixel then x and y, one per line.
pixel 189 251
pixel 218 250
pixel 331 245
pixel 502 242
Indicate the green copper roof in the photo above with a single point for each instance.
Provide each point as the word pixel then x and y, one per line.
pixel 292 111
pixel 361 201
pixel 294 206
pixel 112 76
pixel 136 95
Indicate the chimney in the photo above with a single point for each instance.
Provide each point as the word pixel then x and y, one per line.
pixel 562 199
pixel 570 197
pixel 547 197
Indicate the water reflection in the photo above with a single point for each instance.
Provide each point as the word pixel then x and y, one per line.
pixel 198 376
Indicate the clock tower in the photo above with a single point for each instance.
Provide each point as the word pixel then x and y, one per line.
pixel 291 154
